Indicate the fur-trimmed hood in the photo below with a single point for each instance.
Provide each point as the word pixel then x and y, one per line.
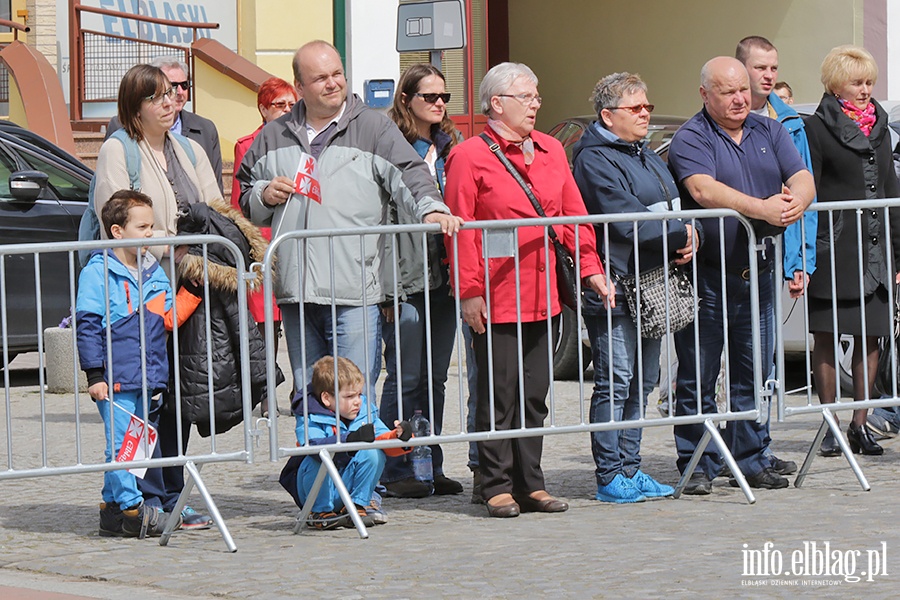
pixel 220 218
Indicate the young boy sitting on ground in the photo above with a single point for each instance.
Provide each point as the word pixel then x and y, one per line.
pixel 359 422
pixel 127 215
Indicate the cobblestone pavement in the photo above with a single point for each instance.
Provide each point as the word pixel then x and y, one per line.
pixel 446 546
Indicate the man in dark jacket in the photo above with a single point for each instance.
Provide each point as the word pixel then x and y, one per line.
pixel 190 125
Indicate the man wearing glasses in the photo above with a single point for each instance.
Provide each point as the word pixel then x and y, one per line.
pixel 190 125
pixel 725 157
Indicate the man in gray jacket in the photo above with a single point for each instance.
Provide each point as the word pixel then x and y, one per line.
pixel 363 165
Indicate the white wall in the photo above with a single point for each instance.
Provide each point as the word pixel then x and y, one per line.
pixel 891 71
pixel 371 42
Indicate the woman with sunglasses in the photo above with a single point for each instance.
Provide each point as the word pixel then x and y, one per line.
pixel 171 177
pixel 617 173
pixel 517 300
pixel 276 97
pixel 420 112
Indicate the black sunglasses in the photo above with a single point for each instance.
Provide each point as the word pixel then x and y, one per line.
pixel 432 98
pixel 182 84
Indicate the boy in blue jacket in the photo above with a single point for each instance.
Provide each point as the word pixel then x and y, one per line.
pixel 127 278
pixel 356 421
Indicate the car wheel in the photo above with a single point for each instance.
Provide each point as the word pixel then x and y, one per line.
pixel 571 356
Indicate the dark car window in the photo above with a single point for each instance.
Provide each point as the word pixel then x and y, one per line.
pixel 64 184
pixel 7 167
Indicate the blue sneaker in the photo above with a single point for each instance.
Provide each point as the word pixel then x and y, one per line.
pixel 191 519
pixel 649 486
pixel 620 490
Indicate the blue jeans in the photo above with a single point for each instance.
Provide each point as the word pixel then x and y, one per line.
pixel 357 332
pixel 889 413
pixel 360 476
pixel 120 486
pixel 618 451
pixel 414 371
pixel 746 439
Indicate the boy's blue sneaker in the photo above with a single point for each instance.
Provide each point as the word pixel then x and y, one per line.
pixel 620 490
pixel 191 519
pixel 650 487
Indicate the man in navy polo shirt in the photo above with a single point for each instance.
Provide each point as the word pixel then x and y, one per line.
pixel 725 157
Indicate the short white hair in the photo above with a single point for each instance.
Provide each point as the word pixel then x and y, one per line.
pixel 169 62
pixel 499 79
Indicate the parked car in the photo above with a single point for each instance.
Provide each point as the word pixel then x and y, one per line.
pixel 43 193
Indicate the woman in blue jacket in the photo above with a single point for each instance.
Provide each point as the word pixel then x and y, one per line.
pixel 617 173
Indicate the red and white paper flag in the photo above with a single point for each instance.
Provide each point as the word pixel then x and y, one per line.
pixel 307 179
pixel 133 443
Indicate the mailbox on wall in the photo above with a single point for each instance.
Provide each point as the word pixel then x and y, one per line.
pixel 379 93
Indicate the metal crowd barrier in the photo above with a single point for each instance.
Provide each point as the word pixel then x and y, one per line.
pixel 832 215
pixel 456 432
pixel 74 444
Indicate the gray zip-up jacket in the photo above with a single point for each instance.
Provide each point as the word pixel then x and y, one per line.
pixel 365 165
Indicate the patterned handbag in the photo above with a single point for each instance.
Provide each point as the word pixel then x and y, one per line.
pixel 666 303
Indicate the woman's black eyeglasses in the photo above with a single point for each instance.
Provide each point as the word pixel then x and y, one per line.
pixel 432 98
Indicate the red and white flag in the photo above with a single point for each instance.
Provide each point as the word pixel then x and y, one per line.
pixel 306 181
pixel 133 443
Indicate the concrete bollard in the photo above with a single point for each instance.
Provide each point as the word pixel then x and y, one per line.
pixel 59 361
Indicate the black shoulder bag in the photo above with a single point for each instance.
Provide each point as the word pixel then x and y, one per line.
pixel 566 279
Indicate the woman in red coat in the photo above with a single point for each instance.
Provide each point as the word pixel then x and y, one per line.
pixel 276 97
pixel 480 188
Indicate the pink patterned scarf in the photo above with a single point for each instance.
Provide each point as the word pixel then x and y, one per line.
pixel 863 117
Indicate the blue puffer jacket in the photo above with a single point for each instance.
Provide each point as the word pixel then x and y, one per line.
pixel 320 423
pixel 793 241
pixel 617 177
pixel 124 305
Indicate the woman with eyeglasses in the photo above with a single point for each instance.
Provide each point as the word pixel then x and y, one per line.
pixel 420 112
pixel 276 97
pixel 511 308
pixel 617 173
pixel 173 171
pixel 168 174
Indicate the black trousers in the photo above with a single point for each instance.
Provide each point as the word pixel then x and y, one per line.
pixel 512 466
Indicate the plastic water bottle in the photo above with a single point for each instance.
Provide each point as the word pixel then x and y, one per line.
pixel 421 455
